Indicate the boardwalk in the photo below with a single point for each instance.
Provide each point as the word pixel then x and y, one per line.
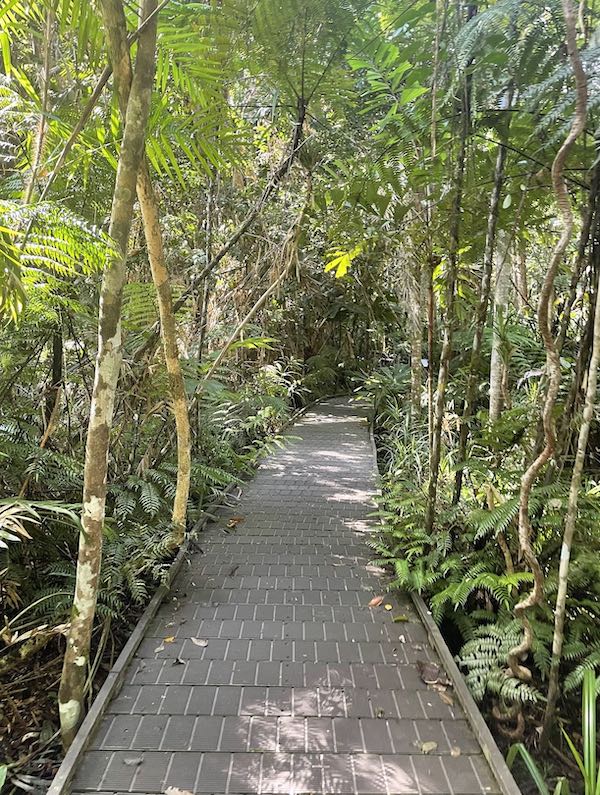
pixel 268 672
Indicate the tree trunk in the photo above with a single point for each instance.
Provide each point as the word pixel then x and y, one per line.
pixel 522 649
pixel 569 531
pixel 56 375
pixel 430 338
pixel 521 281
pixel 497 363
pixel 482 311
pixel 416 343
pixel 446 353
pixel 108 364
pixel 160 276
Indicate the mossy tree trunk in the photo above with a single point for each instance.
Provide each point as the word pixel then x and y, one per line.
pixel 160 276
pixel 108 364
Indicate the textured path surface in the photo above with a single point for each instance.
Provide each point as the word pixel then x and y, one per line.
pixel 267 672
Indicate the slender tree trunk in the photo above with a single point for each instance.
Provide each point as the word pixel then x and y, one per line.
pixel 497 364
pixel 56 374
pixel 108 364
pixel 415 314
pixel 482 312
pixel 569 531
pixel 522 649
pixel 521 281
pixel 430 338
pixel 160 276
pixel 446 353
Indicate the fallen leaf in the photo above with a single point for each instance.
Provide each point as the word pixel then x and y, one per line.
pixel 432 674
pixel 376 601
pixel 380 713
pixel 170 639
pixel 199 642
pixel 429 747
pixel 402 639
pixel 177 791
pixel 455 751
pixel 388 607
pixel 233 570
pixel 447 699
pixel 234 521
pixel 133 761
pixel 399 619
pixel 178 661
pixel 160 648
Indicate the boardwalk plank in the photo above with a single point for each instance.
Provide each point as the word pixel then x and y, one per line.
pixel 290 683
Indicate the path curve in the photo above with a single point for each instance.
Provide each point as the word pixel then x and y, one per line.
pixel 267 671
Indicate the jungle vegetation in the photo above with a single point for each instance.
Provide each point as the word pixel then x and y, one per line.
pixel 212 213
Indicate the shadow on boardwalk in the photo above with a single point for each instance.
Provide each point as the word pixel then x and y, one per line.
pixel 268 672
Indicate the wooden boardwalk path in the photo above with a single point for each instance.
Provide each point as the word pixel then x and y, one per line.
pixel 267 671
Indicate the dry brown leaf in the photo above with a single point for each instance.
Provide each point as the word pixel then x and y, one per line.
pixel 170 639
pixel 234 521
pixel 376 601
pixel 432 674
pixel 447 699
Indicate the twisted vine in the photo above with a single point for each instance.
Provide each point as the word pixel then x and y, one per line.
pixel 518 653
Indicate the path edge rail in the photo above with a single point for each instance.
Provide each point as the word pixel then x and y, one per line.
pixel 484 737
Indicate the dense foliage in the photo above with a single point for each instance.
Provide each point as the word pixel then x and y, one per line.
pixel 396 197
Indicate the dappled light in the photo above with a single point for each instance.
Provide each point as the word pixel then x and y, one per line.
pixel 299 428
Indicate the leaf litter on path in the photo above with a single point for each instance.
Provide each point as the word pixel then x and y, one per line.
pixel 432 674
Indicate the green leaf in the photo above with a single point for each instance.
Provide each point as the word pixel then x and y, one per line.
pixel 411 93
pixel 5 48
pixel 507 201
pixel 342 260
pixel 518 749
